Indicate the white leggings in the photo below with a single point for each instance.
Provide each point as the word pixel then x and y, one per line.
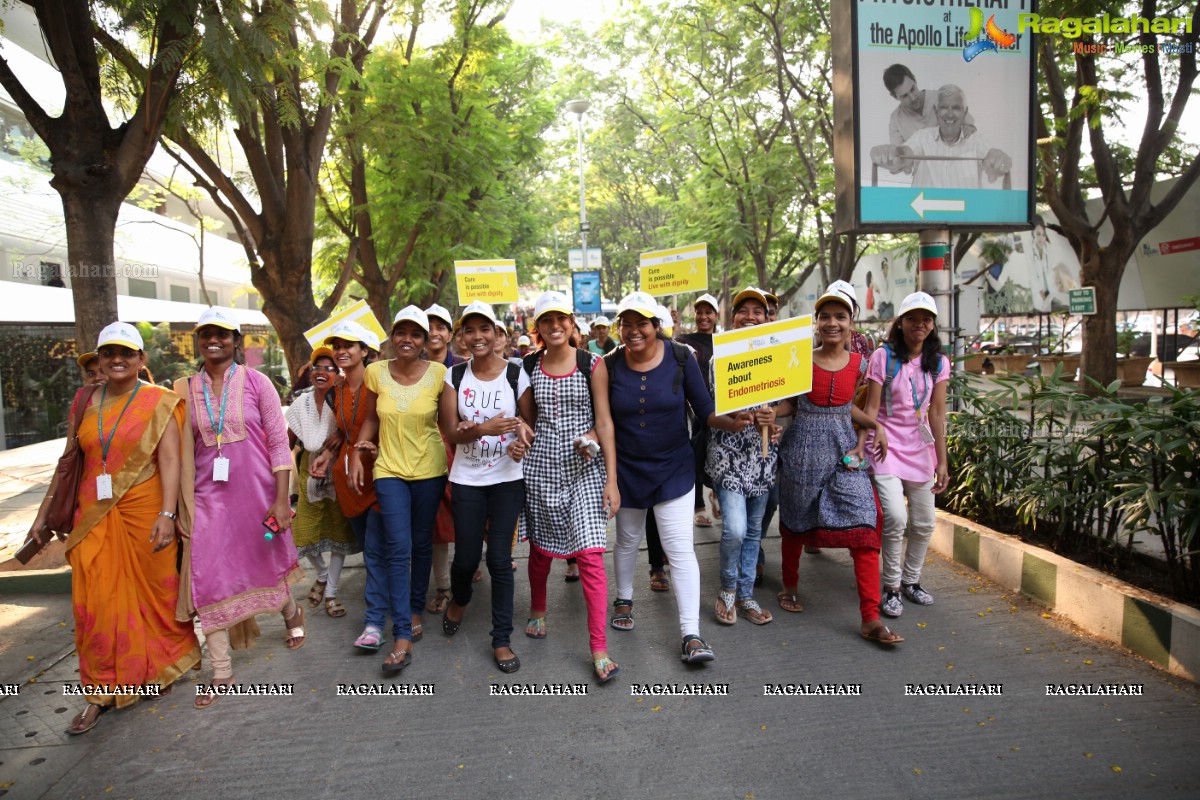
pixel 917 517
pixel 674 518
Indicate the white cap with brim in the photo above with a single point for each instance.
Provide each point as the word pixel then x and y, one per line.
pixel 120 333
pixel 750 293
pixel 640 302
pixel 552 301
pixel 440 312
pixel 708 298
pixel 523 341
pixel 221 317
pixel 840 292
pixel 414 315
pixel 917 301
pixel 351 331
pixel 664 317
pixel 605 321
pixel 478 308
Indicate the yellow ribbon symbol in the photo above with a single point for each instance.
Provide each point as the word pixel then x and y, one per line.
pixel 795 361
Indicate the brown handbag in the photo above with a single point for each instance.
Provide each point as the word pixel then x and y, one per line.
pixel 60 514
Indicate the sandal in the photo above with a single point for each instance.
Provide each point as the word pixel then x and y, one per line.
pixel 82 723
pixel 536 628
pixel 606 669
pixel 391 666
pixel 701 520
pixel 371 639
pixel 725 612
pixel 334 608
pixel 754 612
pixel 206 697
pixel 316 593
pixel 659 582
pixel 700 653
pixel 572 573
pixel 789 601
pixel 882 634
pixel 622 622
pixel 295 633
pixel 439 602
pixel 418 630
pixel 716 505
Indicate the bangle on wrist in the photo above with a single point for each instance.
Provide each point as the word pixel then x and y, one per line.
pixel 170 514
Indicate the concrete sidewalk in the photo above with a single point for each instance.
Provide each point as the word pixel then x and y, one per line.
pixel 464 742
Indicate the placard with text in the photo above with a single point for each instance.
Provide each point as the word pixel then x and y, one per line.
pixel 675 271
pixel 762 363
pixel 492 280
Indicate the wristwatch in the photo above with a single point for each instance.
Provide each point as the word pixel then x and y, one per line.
pixel 170 514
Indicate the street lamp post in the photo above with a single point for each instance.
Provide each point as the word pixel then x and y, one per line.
pixel 579 108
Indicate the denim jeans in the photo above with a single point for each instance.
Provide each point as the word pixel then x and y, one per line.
pixel 409 511
pixel 489 511
pixel 368 530
pixel 741 518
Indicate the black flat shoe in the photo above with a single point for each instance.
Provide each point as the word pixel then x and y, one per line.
pixel 449 626
pixel 507 665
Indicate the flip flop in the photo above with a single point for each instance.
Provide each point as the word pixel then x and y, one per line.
pixel 72 730
pixel 370 640
pixel 789 601
pixel 701 520
pixel 659 582
pixel 883 635
pixel 392 667
pixel 725 605
pixel 539 626
pixel 601 664
pixel 752 611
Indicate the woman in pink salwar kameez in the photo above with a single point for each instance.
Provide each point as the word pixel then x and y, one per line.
pixel 242 466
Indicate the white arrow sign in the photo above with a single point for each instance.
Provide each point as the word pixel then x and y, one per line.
pixel 921 205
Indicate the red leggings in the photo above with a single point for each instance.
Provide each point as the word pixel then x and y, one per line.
pixel 595 590
pixel 866 574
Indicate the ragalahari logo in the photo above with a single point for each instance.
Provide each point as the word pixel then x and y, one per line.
pixel 981 38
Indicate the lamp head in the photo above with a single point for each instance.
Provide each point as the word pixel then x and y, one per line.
pixel 579 107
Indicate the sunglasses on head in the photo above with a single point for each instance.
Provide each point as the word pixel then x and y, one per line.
pixel 116 350
pixel 324 368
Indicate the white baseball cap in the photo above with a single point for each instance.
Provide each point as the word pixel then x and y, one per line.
pixel 443 314
pixel 584 328
pixel 841 292
pixel 664 316
pixel 412 314
pixel 350 331
pixel 915 301
pixel 750 293
pixel 121 333
pixel 641 302
pixel 523 340
pixel 605 321
pixel 708 298
pixel 552 301
pixel 221 317
pixel 476 307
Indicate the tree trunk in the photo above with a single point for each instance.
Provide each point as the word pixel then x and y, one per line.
pixel 285 283
pixel 91 218
pixel 1101 269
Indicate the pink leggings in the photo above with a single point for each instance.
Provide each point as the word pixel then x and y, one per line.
pixel 595 590
pixel 866 574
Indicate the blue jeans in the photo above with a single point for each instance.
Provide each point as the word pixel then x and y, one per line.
pixel 486 512
pixel 741 520
pixel 368 530
pixel 409 511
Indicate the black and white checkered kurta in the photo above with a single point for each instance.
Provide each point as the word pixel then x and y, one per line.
pixel 564 493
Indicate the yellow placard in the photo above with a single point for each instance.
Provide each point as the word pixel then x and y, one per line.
pixel 492 281
pixel 762 363
pixel 675 271
pixel 360 312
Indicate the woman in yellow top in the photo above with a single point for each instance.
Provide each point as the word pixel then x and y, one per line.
pixel 410 474
pixel 122 548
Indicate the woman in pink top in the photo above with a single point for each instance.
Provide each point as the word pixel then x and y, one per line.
pixel 908 397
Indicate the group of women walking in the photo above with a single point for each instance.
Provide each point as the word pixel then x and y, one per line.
pixel 184 505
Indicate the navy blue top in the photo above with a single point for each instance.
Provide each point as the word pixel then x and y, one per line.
pixel 654 454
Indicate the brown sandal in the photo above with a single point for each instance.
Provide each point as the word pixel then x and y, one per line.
pixel 316 593
pixel 295 633
pixel 789 601
pixel 882 634
pixel 334 608
pixel 440 601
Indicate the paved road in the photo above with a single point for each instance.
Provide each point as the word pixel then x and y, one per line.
pixel 461 742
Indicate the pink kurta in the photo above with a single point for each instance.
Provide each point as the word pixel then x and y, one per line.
pixel 236 573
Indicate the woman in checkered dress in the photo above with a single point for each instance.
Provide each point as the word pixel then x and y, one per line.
pixel 569 496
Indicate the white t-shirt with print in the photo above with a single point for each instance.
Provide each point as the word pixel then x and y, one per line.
pixel 485 461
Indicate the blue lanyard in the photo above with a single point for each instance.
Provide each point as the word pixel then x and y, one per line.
pixel 924 391
pixel 219 428
pixel 104 445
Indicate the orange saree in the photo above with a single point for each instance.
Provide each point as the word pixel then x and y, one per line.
pixel 123 593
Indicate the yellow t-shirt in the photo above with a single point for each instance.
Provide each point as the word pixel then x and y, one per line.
pixel 410 446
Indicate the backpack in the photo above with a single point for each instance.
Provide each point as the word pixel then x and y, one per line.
pixel 511 371
pixel 583 362
pixel 680 351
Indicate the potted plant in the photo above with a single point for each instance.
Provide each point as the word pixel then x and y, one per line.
pixel 1051 361
pixel 1131 369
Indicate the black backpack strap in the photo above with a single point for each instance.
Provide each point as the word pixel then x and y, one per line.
pixel 456 374
pixel 513 373
pixel 530 361
pixel 612 357
pixel 583 362
pixel 682 353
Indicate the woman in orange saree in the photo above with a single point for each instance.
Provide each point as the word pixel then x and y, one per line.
pixel 122 547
